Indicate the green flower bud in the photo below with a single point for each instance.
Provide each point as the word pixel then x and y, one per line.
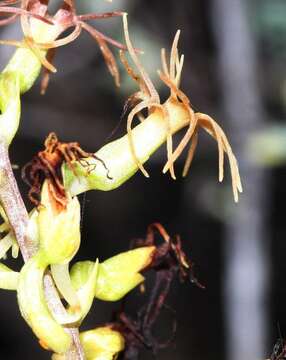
pixel 120 274
pixel 59 231
pixel 102 343
pixel 116 276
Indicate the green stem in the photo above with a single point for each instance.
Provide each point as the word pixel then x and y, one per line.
pixel 26 65
pixel 24 62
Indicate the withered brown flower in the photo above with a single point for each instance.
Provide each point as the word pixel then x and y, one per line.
pixel 169 261
pixel 46 165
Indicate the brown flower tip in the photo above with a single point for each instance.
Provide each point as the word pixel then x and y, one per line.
pixel 169 255
pixel 46 165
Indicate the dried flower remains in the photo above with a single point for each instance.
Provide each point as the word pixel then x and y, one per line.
pixel 169 261
pixel 46 165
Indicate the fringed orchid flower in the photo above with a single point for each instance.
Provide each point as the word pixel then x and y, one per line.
pixel 123 157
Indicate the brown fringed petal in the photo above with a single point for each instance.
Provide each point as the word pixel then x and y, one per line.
pixel 171 77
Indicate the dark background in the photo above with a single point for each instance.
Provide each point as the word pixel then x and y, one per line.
pixel 234 70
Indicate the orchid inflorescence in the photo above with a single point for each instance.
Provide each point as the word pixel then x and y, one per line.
pixel 49 236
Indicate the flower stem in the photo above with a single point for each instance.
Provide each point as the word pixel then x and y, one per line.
pixel 26 66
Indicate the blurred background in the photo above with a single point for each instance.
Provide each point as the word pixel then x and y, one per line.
pixel 235 52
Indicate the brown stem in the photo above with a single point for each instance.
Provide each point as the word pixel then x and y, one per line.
pixel 17 214
pixel 13 204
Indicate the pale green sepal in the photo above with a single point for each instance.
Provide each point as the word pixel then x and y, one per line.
pixel 10 106
pixel 80 273
pixel 34 308
pixel 120 274
pixel 8 278
pixel 61 276
pixel 83 279
pixel 116 276
pixel 86 290
pixel 26 65
pixel 111 287
pixel 5 244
